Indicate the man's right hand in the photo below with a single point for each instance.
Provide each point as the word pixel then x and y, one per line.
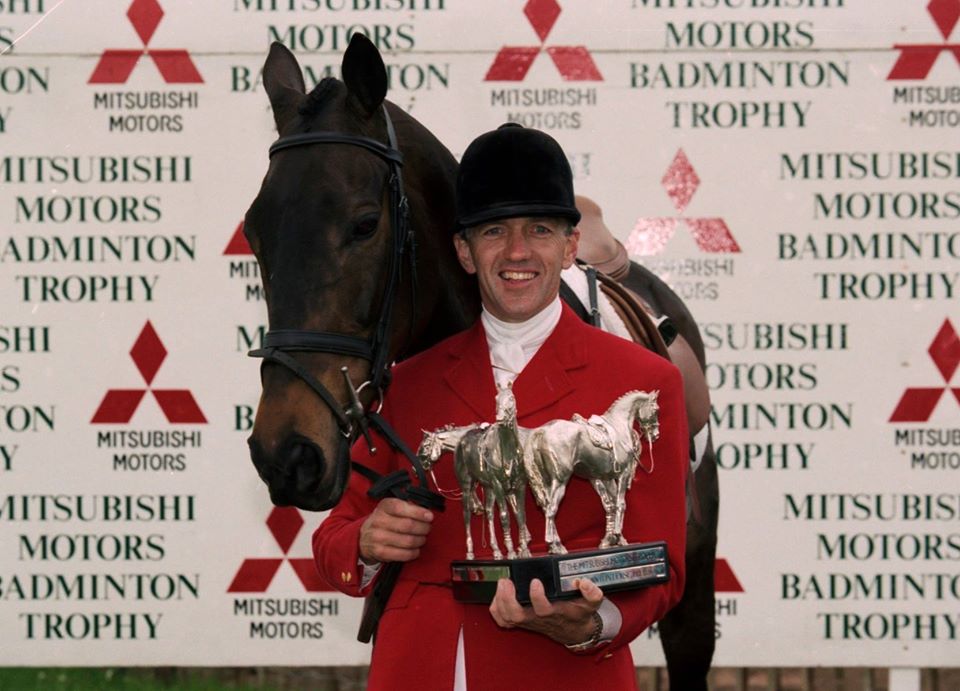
pixel 395 531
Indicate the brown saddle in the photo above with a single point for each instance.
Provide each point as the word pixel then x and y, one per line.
pixel 638 317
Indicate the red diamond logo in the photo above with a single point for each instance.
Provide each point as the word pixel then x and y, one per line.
pixel 145 15
pixel 574 63
pixel 238 243
pixel 148 352
pixel 651 235
pixel 945 350
pixel 712 235
pixel 680 181
pixel 255 574
pixel 119 405
pixel 918 403
pixel 175 65
pixel 542 15
pixel 916 60
pixel 945 14
pixel 284 523
pixel 512 64
pixel 724 579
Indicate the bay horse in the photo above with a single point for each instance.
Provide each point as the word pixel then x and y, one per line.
pixel 555 451
pixel 342 241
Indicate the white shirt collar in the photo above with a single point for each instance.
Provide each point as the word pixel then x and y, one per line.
pixel 513 344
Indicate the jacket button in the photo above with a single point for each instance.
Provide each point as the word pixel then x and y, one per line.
pixel 346 576
pixel 608 656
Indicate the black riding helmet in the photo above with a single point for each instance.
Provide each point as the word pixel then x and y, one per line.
pixel 514 171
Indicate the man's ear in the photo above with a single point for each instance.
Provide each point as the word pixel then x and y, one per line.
pixel 570 248
pixel 464 254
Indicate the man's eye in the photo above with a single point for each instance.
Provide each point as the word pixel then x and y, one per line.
pixel 492 231
pixel 542 230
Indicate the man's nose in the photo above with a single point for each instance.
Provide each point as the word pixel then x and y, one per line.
pixel 518 246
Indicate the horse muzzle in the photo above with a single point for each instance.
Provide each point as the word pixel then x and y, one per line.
pixel 299 474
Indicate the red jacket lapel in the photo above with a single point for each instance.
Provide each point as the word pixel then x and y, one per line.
pixel 470 375
pixel 545 380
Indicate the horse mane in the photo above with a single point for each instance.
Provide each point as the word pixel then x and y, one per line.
pixel 318 96
pixel 629 394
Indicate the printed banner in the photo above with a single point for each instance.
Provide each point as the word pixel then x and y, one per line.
pixel 789 166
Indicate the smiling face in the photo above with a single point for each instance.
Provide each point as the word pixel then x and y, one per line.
pixel 518 263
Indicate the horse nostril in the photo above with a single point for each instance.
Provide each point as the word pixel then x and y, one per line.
pixel 300 452
pixel 305 464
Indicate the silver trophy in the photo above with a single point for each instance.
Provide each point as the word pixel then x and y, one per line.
pixel 503 458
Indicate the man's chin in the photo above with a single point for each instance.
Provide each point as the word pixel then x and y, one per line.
pixel 516 311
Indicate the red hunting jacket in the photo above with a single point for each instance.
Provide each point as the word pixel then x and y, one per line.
pixel 579 369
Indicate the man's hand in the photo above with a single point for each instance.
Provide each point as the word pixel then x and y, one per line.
pixel 395 531
pixel 565 621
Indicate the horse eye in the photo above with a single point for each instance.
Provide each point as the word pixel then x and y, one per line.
pixel 366 226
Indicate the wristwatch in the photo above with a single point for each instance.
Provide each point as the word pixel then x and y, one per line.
pixel 594 638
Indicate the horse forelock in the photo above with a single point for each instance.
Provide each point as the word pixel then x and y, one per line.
pixel 327 108
pixel 320 98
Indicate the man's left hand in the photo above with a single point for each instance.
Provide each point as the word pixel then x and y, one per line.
pixel 565 621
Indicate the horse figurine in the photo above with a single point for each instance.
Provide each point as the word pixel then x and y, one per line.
pixel 320 228
pixel 605 451
pixel 489 455
pixel 435 444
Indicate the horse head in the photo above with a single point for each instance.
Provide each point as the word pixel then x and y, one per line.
pixel 506 404
pixel 645 411
pixel 324 231
pixel 430 449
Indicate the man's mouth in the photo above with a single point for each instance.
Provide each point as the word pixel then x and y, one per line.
pixel 518 275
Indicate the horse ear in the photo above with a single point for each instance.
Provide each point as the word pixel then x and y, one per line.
pixel 283 81
pixel 364 74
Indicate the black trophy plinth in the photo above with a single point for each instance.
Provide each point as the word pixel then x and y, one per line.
pixel 615 568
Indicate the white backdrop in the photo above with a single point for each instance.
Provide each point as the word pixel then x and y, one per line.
pixel 789 166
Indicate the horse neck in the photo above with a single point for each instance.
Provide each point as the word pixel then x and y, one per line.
pixel 622 410
pixel 447 298
pixel 508 430
pixel 450 438
pixel 508 433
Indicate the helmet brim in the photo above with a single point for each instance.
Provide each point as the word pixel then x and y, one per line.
pixel 524 209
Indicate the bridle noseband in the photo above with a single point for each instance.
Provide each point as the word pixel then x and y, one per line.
pixel 279 343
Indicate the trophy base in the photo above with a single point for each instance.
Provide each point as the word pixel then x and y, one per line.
pixel 615 568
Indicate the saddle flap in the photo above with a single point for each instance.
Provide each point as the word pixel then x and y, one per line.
pixel 598 430
pixel 635 313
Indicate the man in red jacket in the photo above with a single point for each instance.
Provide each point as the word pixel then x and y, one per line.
pixel 516 218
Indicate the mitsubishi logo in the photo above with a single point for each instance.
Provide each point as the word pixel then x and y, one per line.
pixel 917 404
pixel 513 62
pixel 119 405
pixel 651 235
pixel 238 243
pixel 255 575
pixel 916 59
pixel 175 65
pixel 724 579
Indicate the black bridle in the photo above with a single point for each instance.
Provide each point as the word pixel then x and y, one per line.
pixel 278 344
